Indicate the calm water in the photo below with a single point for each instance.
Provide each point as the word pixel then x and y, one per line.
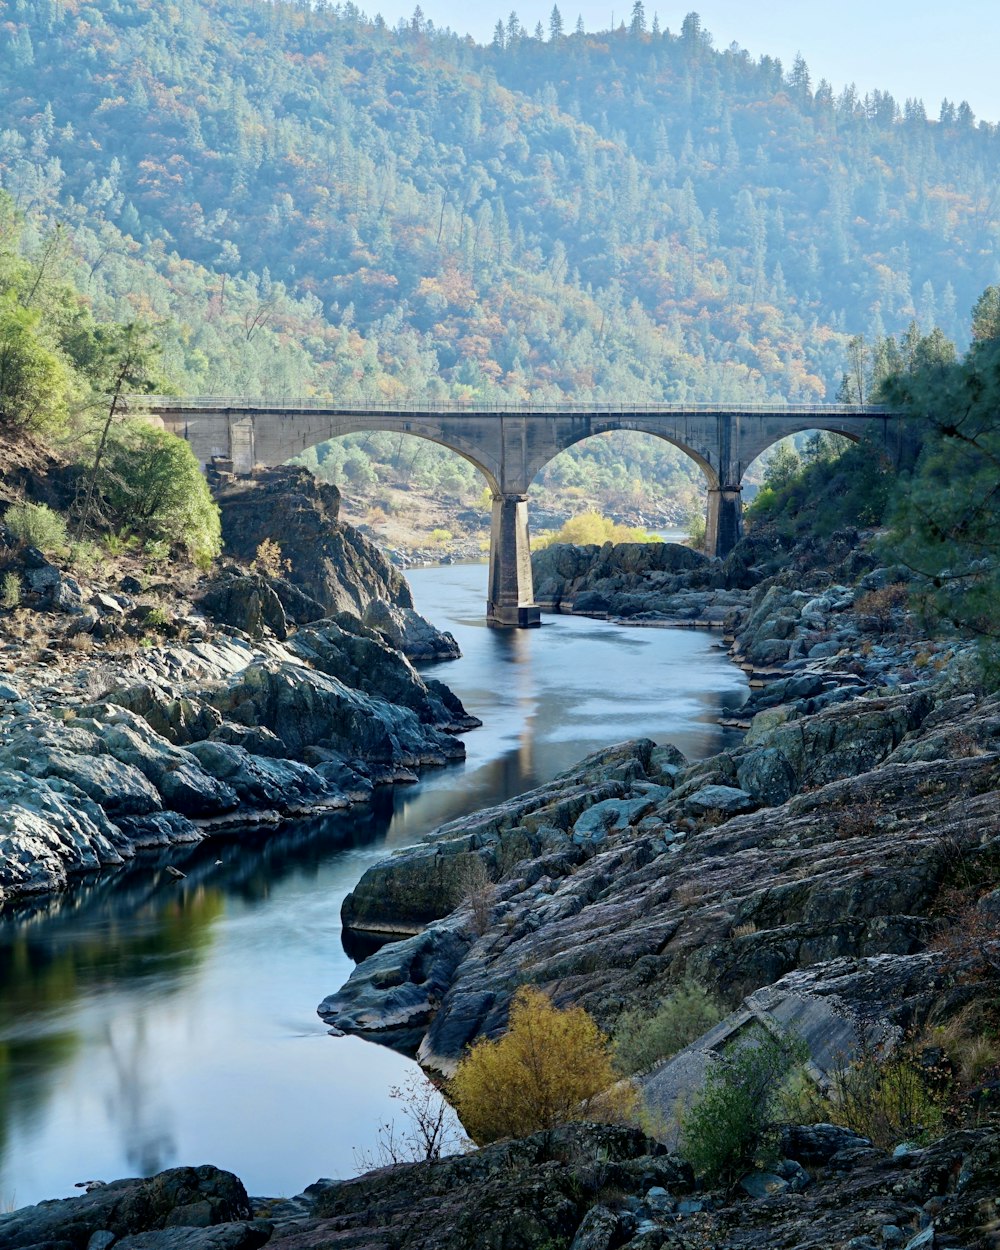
pixel 146 1023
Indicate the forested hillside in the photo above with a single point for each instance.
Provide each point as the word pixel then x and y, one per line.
pixel 310 202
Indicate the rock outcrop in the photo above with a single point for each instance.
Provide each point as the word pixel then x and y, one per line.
pixel 331 562
pixel 664 580
pixel 183 1207
pixel 585 1187
pixel 223 732
pixel 409 632
pixel 634 871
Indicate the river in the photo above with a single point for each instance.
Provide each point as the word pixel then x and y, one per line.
pixel 146 1022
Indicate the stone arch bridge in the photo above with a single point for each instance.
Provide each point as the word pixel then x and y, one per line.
pixel 510 445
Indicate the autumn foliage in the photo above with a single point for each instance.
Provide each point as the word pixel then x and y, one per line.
pixel 547 1069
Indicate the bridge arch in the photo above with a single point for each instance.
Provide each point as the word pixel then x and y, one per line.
pixel 574 437
pixel 301 436
pixel 683 478
pixel 753 449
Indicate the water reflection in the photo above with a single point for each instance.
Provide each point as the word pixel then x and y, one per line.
pixel 146 1021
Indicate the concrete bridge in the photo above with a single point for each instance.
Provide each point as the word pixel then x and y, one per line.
pixel 510 445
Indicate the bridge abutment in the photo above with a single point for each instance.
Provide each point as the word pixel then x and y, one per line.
pixel 724 525
pixel 511 596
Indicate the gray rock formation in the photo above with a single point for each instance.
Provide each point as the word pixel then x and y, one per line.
pixel 176 1203
pixel 219 733
pixel 249 602
pixel 658 580
pixel 331 562
pixel 409 632
pixel 667 891
pixel 583 1186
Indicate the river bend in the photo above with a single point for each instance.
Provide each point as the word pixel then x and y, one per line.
pixel 146 1022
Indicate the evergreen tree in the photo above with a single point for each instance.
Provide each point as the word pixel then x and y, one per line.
pixel 798 79
pixel 986 316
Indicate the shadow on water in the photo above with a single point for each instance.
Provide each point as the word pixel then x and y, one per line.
pixel 146 1021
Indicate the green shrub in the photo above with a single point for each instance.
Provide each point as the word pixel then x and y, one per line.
pixel 117 544
pixel 642 1039
pixel 34 379
pixel 697 528
pixel 36 525
pixel 885 1096
pixel 150 483
pixel 590 527
pixel 84 557
pixel 156 620
pixel 10 591
pixel 731 1124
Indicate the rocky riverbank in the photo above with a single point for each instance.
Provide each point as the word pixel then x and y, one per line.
pixel 838 866
pixel 141 712
pixel 836 869
pixel 584 1187
pixel 637 870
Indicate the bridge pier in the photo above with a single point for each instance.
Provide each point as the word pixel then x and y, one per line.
pixel 511 595
pixel 724 526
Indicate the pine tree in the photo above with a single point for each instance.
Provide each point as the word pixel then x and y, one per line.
pixel 798 79
pixel 555 24
pixel 986 316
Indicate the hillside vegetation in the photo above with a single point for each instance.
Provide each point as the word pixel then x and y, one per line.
pixel 64 381
pixel 306 201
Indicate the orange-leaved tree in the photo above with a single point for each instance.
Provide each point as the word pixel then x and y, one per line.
pixel 547 1069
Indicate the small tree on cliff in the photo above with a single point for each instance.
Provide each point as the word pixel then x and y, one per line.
pixel 546 1070
pixel 124 359
pixel 151 484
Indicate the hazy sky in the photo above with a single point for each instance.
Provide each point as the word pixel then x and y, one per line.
pixel 908 47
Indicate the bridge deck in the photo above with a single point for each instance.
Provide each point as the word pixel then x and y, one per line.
pixel 236 404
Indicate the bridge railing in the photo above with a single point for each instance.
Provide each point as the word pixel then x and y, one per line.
pixel 251 404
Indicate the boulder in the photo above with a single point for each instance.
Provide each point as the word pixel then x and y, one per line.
pixel 206 1195
pixel 120 789
pixel 610 817
pixel 409 632
pixel 360 657
pixel 305 708
pixel 158 829
pixel 252 738
pixel 49 832
pixel 248 602
pixel 259 782
pixel 723 801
